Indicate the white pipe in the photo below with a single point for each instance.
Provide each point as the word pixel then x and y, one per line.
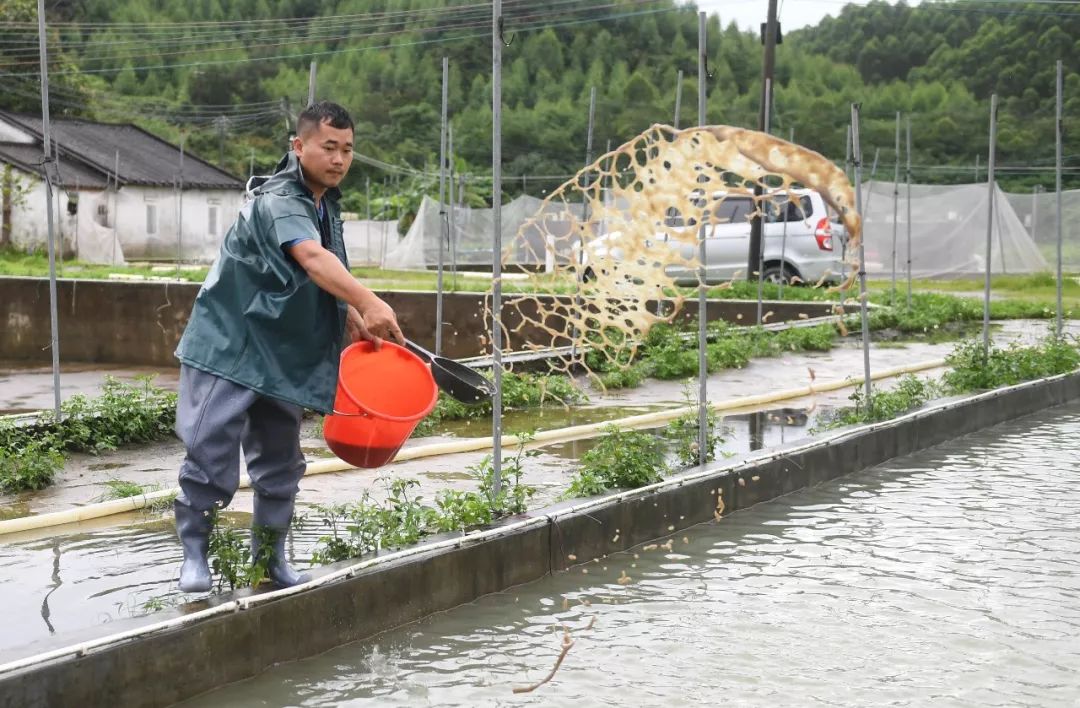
pixel 544 437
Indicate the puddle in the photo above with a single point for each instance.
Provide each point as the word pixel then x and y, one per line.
pixel 447 476
pixel 97 467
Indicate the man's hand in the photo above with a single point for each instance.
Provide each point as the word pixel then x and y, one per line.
pixel 380 321
pixel 356 330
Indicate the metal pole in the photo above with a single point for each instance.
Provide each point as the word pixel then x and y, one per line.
pixel 857 165
pixel 442 209
pixel 367 215
pixel 496 257
pixel 767 68
pixel 757 206
pixel 180 210
pixel 908 172
pixel 311 83
pixel 989 222
pixel 703 305
pixel 895 209
pixel 46 129
pixel 584 212
pixel 783 244
pixel 678 99
pixel 251 164
pixel 116 204
pixel 976 168
pixel 873 172
pixel 453 207
pixel 1057 182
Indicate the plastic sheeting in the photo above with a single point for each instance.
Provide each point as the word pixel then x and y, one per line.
pixel 366 242
pixel 473 238
pixel 948 232
pixel 1038 213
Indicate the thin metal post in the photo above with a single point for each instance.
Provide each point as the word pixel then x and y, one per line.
pixel 976 168
pixel 873 173
pixel 703 271
pixel 857 165
pixel 678 99
pixel 442 209
pixel 584 213
pixel 453 207
pixel 908 172
pixel 251 164
pixel 783 244
pixel 311 82
pixel 46 129
pixel 180 210
pixel 496 256
pixel 989 222
pixel 757 207
pixel 895 209
pixel 1057 182
pixel 847 153
pixel 116 205
pixel 367 214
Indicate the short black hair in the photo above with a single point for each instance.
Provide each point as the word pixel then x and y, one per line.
pixel 324 112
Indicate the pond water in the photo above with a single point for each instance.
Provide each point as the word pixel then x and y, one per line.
pixel 949 577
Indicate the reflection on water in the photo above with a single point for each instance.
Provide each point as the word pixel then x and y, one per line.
pixel 948 577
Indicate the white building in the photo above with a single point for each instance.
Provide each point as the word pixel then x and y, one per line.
pixel 120 192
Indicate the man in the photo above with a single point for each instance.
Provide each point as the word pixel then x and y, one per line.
pixel 263 343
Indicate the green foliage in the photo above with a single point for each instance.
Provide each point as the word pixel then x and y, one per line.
pixel 519 392
pixel 910 393
pixel 683 435
pixel 403 519
pixel 121 489
pixel 230 555
pixel 972 369
pixel 28 465
pixel 30 455
pixel 621 459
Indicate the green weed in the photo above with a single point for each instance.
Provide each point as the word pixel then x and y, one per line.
pixel 622 459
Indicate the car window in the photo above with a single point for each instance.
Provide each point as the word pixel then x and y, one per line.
pixel 794 210
pixel 732 210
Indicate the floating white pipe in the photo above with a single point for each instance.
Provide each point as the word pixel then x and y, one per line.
pixel 544 437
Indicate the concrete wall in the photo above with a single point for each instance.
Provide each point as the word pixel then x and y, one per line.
pixel 168 664
pixel 140 323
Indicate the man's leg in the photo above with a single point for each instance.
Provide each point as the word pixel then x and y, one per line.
pixel 210 417
pixel 275 464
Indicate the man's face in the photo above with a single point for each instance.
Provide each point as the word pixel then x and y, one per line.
pixel 325 154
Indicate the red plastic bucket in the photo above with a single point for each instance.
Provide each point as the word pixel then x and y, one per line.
pixel 381 396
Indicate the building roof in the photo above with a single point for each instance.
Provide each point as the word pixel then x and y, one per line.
pixel 88 152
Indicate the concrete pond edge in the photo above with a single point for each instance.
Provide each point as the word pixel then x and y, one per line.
pixel 186 655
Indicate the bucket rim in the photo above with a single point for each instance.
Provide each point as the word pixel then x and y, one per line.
pixel 366 411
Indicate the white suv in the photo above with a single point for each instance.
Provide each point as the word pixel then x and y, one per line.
pixel 802 242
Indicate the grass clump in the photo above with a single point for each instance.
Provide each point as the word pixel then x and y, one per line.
pixel 622 459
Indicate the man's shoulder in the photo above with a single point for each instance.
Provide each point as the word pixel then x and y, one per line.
pixel 277 205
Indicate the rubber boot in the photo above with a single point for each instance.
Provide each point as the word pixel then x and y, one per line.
pixel 194 527
pixel 270 528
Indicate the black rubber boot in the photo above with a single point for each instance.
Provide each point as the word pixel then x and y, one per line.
pixel 194 527
pixel 269 529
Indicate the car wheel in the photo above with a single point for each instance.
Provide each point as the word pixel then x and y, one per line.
pixel 777 274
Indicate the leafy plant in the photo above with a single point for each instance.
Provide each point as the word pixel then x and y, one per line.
pixel 230 555
pixel 622 459
pixel 910 393
pixel 28 465
pixel 972 369
pixel 683 436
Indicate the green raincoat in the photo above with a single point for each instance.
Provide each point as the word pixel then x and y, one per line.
pixel 259 320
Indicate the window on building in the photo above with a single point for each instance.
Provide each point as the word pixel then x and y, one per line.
pixel 151 219
pixel 212 219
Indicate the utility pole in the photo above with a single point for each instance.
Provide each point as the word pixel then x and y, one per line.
pixel 46 130
pixel 496 257
pixel 767 70
pixel 222 125
pixel 311 83
pixel 703 266
pixel 442 208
